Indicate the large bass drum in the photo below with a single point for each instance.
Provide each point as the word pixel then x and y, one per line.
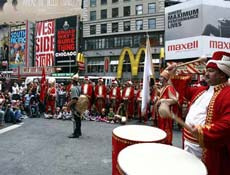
pixel 124 136
pixel 82 104
pixel 159 159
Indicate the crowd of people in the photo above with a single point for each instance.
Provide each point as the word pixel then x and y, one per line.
pixel 207 119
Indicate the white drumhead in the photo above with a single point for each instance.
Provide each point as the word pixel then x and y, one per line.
pixel 159 159
pixel 139 133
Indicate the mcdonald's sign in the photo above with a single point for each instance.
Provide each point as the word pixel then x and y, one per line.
pixel 134 61
pixel 81 61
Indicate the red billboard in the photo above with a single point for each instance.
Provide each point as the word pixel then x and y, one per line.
pixel 44 39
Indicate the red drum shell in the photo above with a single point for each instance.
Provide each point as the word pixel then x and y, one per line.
pixel 124 136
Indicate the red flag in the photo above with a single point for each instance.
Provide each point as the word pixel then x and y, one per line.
pixel 43 85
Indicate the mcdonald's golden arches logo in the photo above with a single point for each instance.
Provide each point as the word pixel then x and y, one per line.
pixel 134 61
pixel 81 61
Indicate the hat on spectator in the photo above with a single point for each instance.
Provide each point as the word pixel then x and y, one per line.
pixel 220 60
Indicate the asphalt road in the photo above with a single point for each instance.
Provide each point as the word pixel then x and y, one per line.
pixel 42 147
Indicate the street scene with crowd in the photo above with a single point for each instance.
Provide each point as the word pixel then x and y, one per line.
pixel 115 87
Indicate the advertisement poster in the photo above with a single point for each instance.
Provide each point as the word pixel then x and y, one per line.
pixel 17 48
pixel 191 24
pixel 65 52
pixel 37 10
pixel 44 43
pixel 4 45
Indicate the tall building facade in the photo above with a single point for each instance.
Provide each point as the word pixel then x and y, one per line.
pixel 109 26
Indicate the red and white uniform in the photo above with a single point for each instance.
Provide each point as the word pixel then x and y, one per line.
pixel 166 124
pixel 215 132
pixel 100 96
pixel 115 97
pixel 50 102
pixel 87 89
pixel 128 98
pixel 139 101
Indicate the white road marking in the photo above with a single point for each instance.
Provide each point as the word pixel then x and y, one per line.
pixel 9 128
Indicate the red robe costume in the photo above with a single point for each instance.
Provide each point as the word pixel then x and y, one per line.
pixel 115 98
pixel 214 136
pixel 128 98
pixel 166 124
pixel 51 99
pixel 139 100
pixel 100 97
pixel 87 89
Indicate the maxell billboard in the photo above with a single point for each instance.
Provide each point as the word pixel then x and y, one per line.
pixel 200 19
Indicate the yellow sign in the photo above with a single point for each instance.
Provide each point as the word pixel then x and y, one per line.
pixel 134 61
pixel 162 53
pixel 80 58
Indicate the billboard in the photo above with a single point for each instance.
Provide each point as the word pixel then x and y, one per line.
pixel 44 43
pixel 191 24
pixel 17 48
pixel 4 45
pixel 65 50
pixel 15 11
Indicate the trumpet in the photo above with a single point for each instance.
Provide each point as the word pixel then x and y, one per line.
pixel 201 59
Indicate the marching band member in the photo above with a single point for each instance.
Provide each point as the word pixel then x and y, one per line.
pixel 128 98
pixel 167 92
pixel 87 90
pixel 100 95
pixel 209 116
pixel 115 95
pixel 51 96
pixel 139 100
pixel 75 92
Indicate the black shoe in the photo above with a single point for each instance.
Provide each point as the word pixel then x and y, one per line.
pixel 73 136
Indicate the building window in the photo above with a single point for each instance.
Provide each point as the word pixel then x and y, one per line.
pixel 103 14
pixel 92 15
pixel 103 2
pixel 103 28
pixel 115 27
pixel 115 12
pixel 92 29
pixel 139 9
pixel 152 23
pixel 139 24
pixel 127 11
pixel 93 3
pixel 114 1
pixel 127 26
pixel 152 8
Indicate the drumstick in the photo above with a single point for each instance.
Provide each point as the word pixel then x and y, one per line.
pixel 182 123
pixel 201 59
pixel 164 111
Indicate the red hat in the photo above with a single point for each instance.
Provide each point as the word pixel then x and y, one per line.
pixel 114 82
pixel 86 78
pixel 129 82
pixel 220 60
pixel 100 80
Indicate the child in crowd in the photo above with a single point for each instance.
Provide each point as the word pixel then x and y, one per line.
pixel 66 115
pixel 111 115
pixel 58 113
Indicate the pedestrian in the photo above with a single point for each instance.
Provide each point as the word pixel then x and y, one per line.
pixel 75 92
pixel 209 116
